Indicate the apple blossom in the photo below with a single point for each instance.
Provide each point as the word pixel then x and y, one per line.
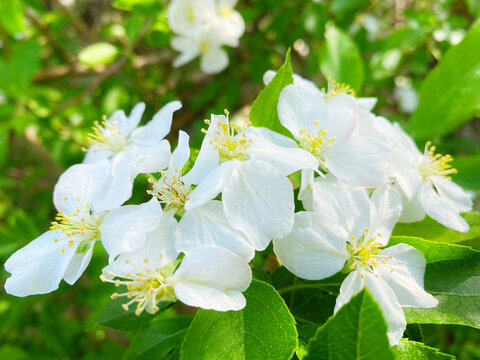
pixel 345 232
pixel 209 276
pixel 88 205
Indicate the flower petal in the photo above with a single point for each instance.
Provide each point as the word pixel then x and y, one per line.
pixel 385 209
pixel 287 159
pixel 125 229
pixel 82 181
pixel 211 186
pixel 315 249
pixel 404 274
pixel 77 266
pixel 207 225
pixel 347 205
pixel 212 277
pixel 440 209
pixel 157 128
pixel 358 161
pixel 181 153
pixel 450 192
pixel 383 295
pixel 39 267
pixel 214 60
pixel 259 201
pixel 299 106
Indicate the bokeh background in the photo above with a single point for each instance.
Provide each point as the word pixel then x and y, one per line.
pixel 54 85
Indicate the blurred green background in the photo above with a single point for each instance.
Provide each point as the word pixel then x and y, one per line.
pixel 54 84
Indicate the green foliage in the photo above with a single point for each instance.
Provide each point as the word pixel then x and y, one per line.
pixel 159 339
pixel 115 317
pixel 450 95
pixel 265 329
pixel 411 350
pixel 452 275
pixel 357 331
pixel 99 53
pixel 431 230
pixel 340 58
pixel 264 109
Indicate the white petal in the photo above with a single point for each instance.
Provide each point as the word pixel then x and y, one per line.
pixel 299 106
pixel 382 294
pixel 181 153
pixel 134 117
pixel 450 192
pixel 39 267
pixel 212 277
pixel 367 103
pixel 207 159
pixel 358 161
pixel 385 209
pixel 157 128
pixel 341 116
pixel 152 158
pixel 214 60
pixel 188 48
pixel 406 279
pixel 348 205
pixel 206 225
pixel 439 209
pixel 158 250
pixel 82 181
pixel 315 249
pixel 95 154
pixel 286 159
pixel 125 229
pixel 259 201
pixel 211 186
pixel 412 210
pixel 77 266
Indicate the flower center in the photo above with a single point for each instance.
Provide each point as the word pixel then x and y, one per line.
pixel 435 164
pixel 365 255
pixel 230 139
pixel 147 288
pixel 316 144
pixel 80 227
pixel 107 136
pixel 204 47
pixel 226 12
pixel 171 191
pixel 335 88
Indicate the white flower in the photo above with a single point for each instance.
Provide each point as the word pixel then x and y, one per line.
pixel 407 99
pixel 202 225
pixel 346 232
pixel 132 149
pixel 203 27
pixel 208 276
pixel 88 210
pixel 323 123
pixel 249 166
pixel 423 177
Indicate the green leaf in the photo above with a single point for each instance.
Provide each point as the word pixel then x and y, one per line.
pixel 98 53
pixel 340 58
pixel 158 339
pixel 264 109
pixel 432 230
pixel 411 350
pixel 264 329
pixel 11 16
pixel 116 318
pixel 468 171
pixel 357 331
pixel 452 275
pixel 450 95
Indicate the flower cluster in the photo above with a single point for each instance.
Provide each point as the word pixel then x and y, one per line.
pixel 201 28
pixel 208 214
